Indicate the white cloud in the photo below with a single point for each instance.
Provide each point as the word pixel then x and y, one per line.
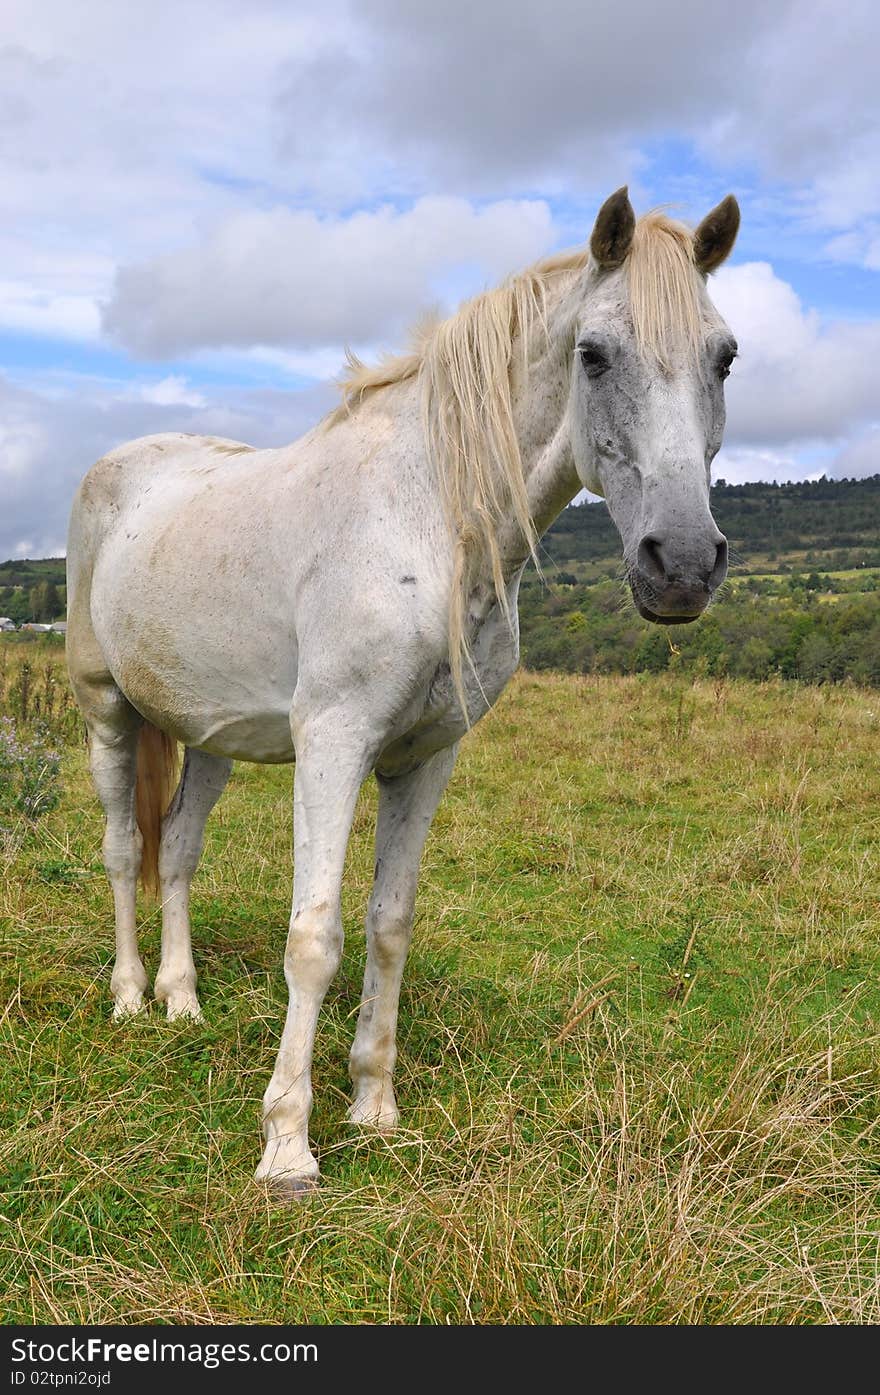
pixel 128 137
pixel 737 465
pixel 505 93
pixel 262 182
pixel 860 457
pixel 48 441
pixel 23 437
pixel 294 279
pixel 805 106
pixel 318 364
pixel 564 97
pixel 35 310
pixel 171 392
pixel 798 377
pixel 861 246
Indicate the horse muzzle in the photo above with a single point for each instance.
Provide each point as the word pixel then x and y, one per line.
pixel 673 586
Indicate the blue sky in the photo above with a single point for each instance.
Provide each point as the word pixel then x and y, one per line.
pixel 202 204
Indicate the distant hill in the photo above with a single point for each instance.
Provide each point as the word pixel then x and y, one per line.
pixel 803 599
pixel 24 572
pixel 33 590
pixel 836 522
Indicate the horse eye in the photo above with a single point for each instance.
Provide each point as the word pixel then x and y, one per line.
pixel 725 363
pixel 593 360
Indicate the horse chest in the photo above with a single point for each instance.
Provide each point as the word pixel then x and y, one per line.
pixel 495 650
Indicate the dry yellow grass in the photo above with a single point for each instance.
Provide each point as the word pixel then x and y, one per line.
pixel 639 1040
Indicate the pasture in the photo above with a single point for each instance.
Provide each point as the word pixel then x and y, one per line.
pixel 638 1040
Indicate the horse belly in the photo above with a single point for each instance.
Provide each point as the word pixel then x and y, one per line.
pixel 263 737
pixel 216 706
pixel 225 695
pixel 216 709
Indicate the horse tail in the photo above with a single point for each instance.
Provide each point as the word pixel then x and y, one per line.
pixel 157 767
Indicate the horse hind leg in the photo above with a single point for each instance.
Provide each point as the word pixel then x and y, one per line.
pixel 114 728
pixel 201 783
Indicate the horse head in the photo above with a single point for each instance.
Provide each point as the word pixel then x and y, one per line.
pixel 647 398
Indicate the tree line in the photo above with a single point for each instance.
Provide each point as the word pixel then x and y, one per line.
pixel 42 603
pixel 803 600
pixel 594 629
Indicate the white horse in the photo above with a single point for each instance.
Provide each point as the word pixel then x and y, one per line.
pixel 350 601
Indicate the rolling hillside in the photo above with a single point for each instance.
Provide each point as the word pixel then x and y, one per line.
pixel 826 524
pixel 803 599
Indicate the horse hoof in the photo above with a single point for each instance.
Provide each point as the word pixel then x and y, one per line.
pixel 373 1118
pixel 128 1006
pixel 284 1189
pixel 183 1008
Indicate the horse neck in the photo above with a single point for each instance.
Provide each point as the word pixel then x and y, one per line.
pixel 540 414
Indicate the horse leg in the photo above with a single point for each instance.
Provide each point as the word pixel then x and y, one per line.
pixel 202 782
pixel 407 805
pixel 114 728
pixel 113 760
pixel 331 765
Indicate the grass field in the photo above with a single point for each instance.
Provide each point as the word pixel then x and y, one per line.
pixel 640 1039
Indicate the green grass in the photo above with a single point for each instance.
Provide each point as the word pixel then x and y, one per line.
pixel 770 566
pixel 836 574
pixel 639 1039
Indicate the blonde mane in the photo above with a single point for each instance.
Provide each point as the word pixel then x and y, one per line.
pixel 664 288
pixel 465 366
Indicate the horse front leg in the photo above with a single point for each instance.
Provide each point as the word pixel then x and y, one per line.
pixel 407 805
pixel 331 765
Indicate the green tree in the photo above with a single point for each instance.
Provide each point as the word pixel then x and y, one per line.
pixel 45 602
pixel 17 605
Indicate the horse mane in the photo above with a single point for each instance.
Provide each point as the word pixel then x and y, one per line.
pixel 664 288
pixel 465 366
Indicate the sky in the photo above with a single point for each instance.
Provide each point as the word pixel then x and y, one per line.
pixel 203 203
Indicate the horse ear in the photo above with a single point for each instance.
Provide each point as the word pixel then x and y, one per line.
pixel 714 238
pixel 611 237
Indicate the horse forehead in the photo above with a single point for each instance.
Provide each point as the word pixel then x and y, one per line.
pixel 606 303
pixel 607 306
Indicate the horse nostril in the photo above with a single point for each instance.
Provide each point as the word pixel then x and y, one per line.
pixel 650 557
pixel 719 571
